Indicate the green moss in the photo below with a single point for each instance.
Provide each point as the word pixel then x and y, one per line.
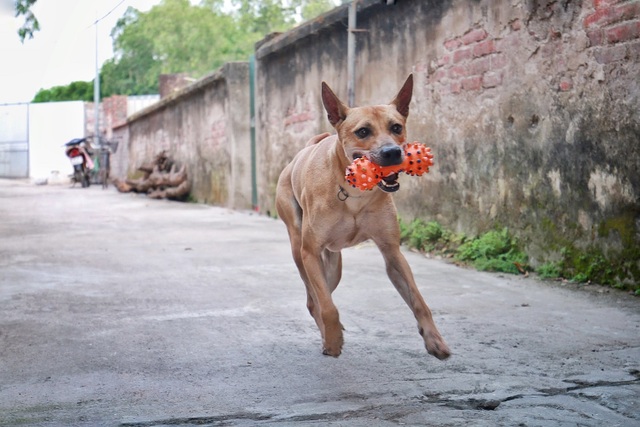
pixel 624 225
pixel 498 250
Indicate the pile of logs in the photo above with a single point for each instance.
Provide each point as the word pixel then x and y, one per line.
pixel 161 180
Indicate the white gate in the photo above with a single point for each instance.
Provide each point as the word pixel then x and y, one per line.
pixel 14 141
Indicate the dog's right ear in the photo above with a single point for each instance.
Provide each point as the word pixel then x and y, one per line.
pixel 336 110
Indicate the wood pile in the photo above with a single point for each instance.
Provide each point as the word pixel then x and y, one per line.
pixel 161 180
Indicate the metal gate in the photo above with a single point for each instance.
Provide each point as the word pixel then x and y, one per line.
pixel 14 141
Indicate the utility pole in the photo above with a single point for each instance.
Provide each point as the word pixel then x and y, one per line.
pixel 96 92
pixel 351 53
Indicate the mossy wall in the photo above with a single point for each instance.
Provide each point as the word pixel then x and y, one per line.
pixel 531 108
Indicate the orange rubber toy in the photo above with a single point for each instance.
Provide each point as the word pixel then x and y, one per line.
pixel 365 175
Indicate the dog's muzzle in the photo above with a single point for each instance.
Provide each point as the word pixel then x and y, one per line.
pixel 389 183
pixel 389 155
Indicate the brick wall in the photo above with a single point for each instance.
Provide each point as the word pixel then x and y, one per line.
pixel 530 107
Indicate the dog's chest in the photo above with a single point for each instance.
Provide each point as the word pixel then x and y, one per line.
pixel 348 232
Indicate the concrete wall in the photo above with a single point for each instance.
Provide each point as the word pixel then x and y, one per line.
pixel 531 108
pixel 205 126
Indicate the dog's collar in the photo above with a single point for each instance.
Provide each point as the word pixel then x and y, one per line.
pixel 343 195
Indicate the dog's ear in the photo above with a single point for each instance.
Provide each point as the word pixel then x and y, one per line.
pixel 403 98
pixel 336 110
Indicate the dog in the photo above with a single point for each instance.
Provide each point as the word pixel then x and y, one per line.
pixel 323 215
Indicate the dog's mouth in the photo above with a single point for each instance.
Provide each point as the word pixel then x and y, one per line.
pixel 389 183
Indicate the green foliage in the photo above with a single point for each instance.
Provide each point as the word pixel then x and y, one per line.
pixel 176 36
pixel 499 251
pixel 493 251
pixel 311 9
pixel 549 270
pixel 425 235
pixel 31 24
pixel 75 91
pixel 588 266
pixel 428 236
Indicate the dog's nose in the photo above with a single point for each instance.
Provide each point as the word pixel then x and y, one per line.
pixel 390 155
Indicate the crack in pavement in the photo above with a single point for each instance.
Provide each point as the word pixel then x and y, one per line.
pixel 219 420
pixel 389 412
pixel 492 404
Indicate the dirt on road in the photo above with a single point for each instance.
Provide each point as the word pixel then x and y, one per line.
pixel 117 310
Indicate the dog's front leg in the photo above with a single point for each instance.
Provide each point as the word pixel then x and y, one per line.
pixel 402 278
pixel 325 312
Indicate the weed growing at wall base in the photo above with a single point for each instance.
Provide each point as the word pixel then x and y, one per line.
pixel 498 250
pixel 495 250
pixel 492 251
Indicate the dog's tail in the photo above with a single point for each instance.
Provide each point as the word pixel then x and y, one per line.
pixel 314 140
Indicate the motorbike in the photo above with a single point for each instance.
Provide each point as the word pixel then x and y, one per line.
pixel 79 152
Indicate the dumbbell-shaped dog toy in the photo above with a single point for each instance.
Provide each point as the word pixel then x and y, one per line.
pixel 365 175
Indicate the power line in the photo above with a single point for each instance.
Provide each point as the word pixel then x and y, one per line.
pixel 107 14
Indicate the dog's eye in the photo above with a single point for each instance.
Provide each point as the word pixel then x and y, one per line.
pixel 396 128
pixel 363 133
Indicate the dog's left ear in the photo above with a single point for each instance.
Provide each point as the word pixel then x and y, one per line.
pixel 403 98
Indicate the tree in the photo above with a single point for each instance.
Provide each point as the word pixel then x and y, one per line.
pixel 75 91
pixel 31 24
pixel 176 36
pixel 172 37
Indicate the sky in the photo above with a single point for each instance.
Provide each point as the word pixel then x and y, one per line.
pixel 63 51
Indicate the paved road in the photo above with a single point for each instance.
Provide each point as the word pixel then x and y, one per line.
pixel 116 310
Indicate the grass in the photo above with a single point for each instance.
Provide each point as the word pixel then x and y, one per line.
pixel 496 250
pixel 499 250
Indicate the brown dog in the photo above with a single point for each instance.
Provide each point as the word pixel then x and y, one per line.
pixel 323 215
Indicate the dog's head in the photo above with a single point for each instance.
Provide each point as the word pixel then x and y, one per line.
pixel 377 132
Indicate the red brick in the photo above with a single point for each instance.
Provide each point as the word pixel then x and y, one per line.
pixel 472 83
pixel 455 87
pixel 498 61
pixel 452 44
pixel 438 75
pixel 479 66
pixel 461 55
pixel 458 71
pixel 474 36
pixel 623 32
pixel 565 85
pixel 612 15
pixel 491 79
pixel 444 60
pixel 601 4
pixel 484 48
pixel 606 55
pixel 596 37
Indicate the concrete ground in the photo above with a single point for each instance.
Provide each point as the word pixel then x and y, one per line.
pixel 117 310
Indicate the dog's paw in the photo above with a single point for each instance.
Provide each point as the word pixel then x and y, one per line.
pixel 332 353
pixel 435 345
pixel 439 350
pixel 333 347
